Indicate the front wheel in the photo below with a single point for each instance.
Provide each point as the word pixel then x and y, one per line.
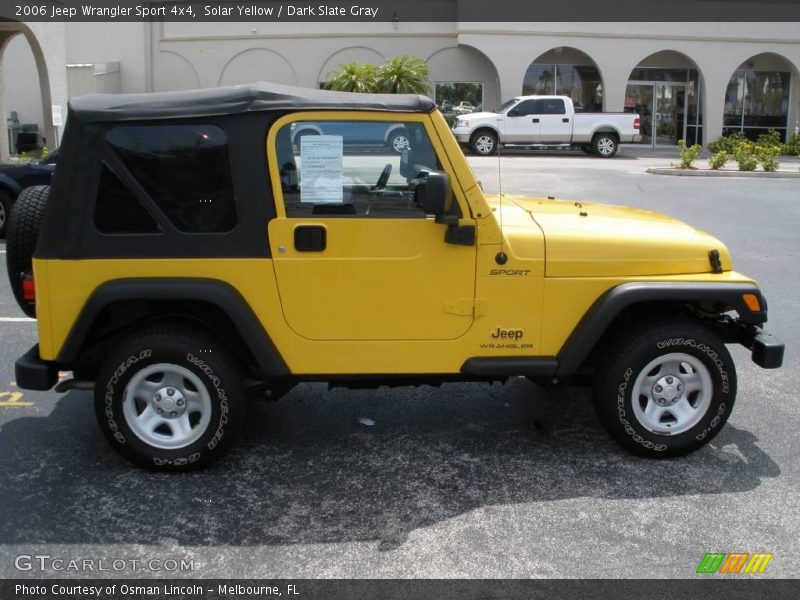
pixel 484 143
pixel 169 399
pixel 605 145
pixel 666 390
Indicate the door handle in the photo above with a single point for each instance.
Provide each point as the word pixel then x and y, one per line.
pixel 565 120
pixel 536 120
pixel 310 238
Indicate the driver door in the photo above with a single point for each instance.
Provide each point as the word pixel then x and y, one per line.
pixel 521 125
pixel 354 257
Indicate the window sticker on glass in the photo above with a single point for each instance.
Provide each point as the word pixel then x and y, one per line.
pixel 321 180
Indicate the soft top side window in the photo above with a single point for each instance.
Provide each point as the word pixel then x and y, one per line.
pixel 185 169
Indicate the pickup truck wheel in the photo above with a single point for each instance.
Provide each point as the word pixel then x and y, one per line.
pixel 665 391
pixel 24 222
pixel 605 145
pixel 484 143
pixel 398 142
pixel 169 399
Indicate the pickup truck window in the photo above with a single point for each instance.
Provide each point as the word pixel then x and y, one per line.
pixel 525 108
pixel 550 106
pixel 328 168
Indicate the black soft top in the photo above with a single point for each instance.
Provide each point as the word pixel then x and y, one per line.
pixel 234 99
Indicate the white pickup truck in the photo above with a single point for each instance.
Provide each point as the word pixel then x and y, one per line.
pixel 546 121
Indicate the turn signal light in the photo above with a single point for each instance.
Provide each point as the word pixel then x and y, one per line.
pixel 637 124
pixel 751 300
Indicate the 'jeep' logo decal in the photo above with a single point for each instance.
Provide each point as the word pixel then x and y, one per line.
pixel 508 334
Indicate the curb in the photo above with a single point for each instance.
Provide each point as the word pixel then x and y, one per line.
pixel 711 173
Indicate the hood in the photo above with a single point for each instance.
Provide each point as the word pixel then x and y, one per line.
pixel 585 239
pixel 474 116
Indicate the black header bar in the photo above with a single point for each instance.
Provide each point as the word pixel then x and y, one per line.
pixel 711 11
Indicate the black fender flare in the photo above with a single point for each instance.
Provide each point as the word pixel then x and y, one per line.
pixel 9 185
pixel 609 305
pixel 210 291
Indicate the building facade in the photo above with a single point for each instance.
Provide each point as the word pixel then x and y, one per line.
pixel 691 81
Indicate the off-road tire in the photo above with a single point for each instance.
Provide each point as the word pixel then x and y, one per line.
pixel 5 210
pixel 619 373
pixel 605 145
pixel 24 224
pixel 483 142
pixel 209 376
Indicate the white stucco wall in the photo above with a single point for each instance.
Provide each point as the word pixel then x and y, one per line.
pixel 22 85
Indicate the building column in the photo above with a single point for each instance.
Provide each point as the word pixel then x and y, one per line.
pixel 4 129
pixel 715 85
pixel 615 82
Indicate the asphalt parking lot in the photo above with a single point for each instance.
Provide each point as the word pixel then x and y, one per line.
pixel 460 481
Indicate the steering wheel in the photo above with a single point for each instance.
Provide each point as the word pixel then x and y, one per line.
pixel 384 178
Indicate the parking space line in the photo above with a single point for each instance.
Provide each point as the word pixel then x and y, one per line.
pixel 16 320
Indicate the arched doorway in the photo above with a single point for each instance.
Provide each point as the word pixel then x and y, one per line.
pixel 47 43
pixel 566 71
pixel 666 90
pixel 757 97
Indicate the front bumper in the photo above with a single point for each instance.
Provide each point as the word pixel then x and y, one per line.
pixel 461 136
pixel 767 350
pixel 33 373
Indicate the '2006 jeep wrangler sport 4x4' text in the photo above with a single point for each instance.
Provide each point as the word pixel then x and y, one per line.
pixel 195 249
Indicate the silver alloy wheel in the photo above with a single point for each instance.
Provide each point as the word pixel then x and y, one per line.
pixel 484 144
pixel 167 406
pixel 400 143
pixel 605 146
pixel 672 393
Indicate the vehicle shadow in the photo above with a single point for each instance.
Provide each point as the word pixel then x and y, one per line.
pixel 309 472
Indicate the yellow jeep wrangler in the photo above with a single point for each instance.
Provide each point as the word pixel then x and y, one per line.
pixel 200 248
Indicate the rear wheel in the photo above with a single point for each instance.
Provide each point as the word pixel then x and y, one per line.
pixel 666 390
pixel 484 143
pixel 605 145
pixel 23 232
pixel 170 398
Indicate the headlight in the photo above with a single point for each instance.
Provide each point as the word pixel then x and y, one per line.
pixel 460 123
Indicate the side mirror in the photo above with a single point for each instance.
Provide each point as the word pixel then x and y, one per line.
pixel 434 195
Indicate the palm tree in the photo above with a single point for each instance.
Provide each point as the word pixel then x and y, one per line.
pixel 403 75
pixel 353 77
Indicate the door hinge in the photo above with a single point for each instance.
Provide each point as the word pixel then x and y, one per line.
pixel 466 306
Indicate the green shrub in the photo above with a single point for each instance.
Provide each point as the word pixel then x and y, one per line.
pixel 768 157
pixel 792 147
pixel 718 160
pixel 745 155
pixel 689 154
pixel 771 138
pixel 727 143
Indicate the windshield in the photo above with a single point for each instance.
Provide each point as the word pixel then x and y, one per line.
pixel 505 106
